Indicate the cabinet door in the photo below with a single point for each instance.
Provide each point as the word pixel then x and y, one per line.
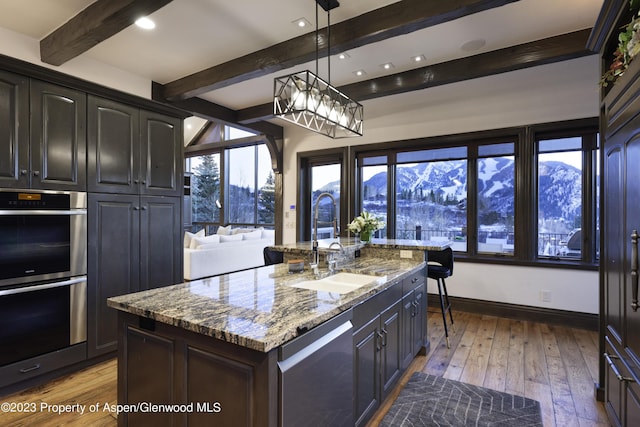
pixel 390 328
pixel 58 137
pixel 14 130
pixel 632 202
pixel 408 311
pixel 161 252
pixel 367 346
pixel 113 147
pixel 113 263
pixel 613 250
pixel 161 155
pixel 419 329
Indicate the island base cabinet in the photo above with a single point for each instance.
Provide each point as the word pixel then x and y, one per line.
pixel 201 380
pixel 376 361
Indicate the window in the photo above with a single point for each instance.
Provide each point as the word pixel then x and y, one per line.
pixel 244 195
pixel 496 198
pixel 205 188
pixel 250 188
pixel 374 189
pixel 325 179
pixel 431 195
pixel 562 202
pixel 515 195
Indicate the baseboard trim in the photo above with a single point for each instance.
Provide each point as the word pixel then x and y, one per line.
pixel 566 318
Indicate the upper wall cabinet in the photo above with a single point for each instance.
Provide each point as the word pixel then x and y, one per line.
pixel 14 129
pixel 133 151
pixel 51 152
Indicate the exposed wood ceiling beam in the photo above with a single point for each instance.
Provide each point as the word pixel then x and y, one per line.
pixel 546 51
pixel 396 19
pixel 96 23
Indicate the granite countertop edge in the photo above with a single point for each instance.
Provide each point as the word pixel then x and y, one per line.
pixel 170 305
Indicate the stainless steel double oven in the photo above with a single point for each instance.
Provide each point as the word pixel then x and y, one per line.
pixel 43 272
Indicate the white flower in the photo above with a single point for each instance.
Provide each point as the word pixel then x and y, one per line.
pixel 365 222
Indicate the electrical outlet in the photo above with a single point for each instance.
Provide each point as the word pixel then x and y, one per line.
pixel 406 254
pixel 545 295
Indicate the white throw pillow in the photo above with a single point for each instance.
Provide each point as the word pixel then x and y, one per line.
pixel 197 242
pixel 269 234
pixel 224 231
pixel 253 235
pixel 232 238
pixel 188 236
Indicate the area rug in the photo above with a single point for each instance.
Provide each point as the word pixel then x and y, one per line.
pixel 428 400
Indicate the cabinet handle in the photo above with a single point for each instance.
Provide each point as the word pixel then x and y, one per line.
pixel 615 370
pixel 23 171
pixel 416 306
pixel 136 208
pixel 29 369
pixel 634 270
pixel 384 337
pixel 378 341
pixel 135 181
pixel 36 173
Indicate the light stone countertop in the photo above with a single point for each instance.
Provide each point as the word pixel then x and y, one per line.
pixel 256 308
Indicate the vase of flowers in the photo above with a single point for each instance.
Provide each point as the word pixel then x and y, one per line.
pixel 365 225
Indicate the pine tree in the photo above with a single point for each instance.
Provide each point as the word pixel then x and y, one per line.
pixel 206 190
pixel 267 201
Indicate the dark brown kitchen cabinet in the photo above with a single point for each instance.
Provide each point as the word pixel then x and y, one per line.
pixel 413 317
pixel 42 136
pixel 133 151
pixel 377 351
pixel 58 138
pixel 14 127
pixel 620 224
pixel 134 245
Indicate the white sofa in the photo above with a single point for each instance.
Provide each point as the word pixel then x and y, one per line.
pixel 229 251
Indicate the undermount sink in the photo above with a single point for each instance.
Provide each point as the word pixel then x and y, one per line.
pixel 341 283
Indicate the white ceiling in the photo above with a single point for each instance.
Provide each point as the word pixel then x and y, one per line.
pixel 192 35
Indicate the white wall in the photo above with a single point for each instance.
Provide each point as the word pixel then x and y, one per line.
pixel 555 92
pixel 27 49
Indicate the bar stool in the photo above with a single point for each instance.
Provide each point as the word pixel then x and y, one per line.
pixel 439 272
pixel 272 257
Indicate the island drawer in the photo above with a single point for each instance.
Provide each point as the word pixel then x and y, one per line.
pixel 372 307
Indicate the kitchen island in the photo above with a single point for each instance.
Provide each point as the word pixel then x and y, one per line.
pixel 262 347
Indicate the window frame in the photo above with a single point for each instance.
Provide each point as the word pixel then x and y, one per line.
pixel 525 154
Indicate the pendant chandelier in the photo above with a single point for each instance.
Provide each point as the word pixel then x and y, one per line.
pixel 307 100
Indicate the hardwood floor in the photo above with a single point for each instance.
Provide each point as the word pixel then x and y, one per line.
pixel 555 365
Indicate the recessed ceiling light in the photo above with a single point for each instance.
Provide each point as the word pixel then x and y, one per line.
pixel 418 58
pixel 343 55
pixel 360 73
pixel 387 65
pixel 301 22
pixel 146 23
pixel 473 45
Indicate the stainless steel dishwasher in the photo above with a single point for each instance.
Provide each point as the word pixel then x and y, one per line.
pixel 316 376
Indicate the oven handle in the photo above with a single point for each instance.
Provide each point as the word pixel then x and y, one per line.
pixel 34 288
pixel 43 212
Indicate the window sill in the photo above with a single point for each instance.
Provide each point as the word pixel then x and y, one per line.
pixel 542 263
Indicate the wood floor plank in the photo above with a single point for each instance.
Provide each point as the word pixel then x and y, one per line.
pixel 541 393
pixel 535 365
pixel 563 407
pixel 515 359
pixel 588 349
pixel 475 368
pixel 578 375
pixel 496 376
pixel 461 353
